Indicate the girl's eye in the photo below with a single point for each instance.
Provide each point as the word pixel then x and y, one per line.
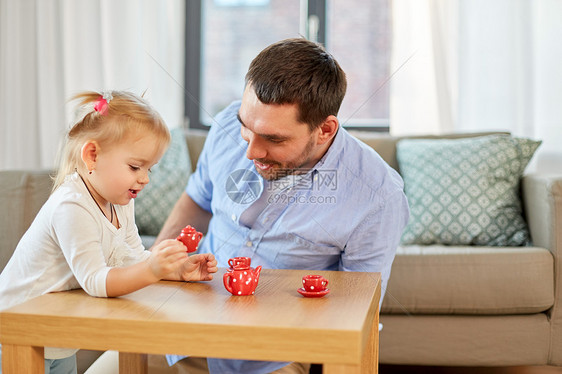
pixel 134 168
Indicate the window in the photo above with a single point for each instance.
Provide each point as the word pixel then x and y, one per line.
pixel 223 36
pixel 359 37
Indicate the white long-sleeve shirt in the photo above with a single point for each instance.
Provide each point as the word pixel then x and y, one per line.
pixel 69 245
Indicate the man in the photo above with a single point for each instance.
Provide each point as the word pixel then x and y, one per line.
pixel 279 181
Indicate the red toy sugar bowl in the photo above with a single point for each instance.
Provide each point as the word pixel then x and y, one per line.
pixel 234 261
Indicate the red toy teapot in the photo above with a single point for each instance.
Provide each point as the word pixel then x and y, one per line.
pixel 241 280
pixel 190 238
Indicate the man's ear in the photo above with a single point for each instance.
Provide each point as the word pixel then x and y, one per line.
pixel 89 154
pixel 328 129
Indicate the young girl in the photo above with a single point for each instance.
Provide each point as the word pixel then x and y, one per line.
pixel 85 235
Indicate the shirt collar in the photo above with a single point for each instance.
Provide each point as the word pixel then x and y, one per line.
pixel 332 155
pixel 328 162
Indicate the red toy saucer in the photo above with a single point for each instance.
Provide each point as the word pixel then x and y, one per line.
pixel 306 293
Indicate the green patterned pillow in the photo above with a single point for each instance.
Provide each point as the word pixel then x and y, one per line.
pixel 465 191
pixel 167 182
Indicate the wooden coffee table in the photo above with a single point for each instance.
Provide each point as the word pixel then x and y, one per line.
pixel 202 319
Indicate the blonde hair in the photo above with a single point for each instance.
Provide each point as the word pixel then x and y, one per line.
pixel 126 114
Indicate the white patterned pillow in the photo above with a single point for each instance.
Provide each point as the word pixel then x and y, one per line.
pixel 167 182
pixel 465 191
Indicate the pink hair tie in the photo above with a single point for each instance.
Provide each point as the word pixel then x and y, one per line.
pixel 102 104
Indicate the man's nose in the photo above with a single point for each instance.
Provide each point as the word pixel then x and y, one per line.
pixel 256 148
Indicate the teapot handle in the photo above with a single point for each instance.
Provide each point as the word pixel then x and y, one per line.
pixel 226 280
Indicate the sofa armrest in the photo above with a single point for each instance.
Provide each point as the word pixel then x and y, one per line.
pixel 22 194
pixel 542 199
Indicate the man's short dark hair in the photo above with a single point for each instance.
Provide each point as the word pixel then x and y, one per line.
pixel 298 71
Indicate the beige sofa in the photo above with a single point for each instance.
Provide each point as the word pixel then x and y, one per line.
pixel 450 306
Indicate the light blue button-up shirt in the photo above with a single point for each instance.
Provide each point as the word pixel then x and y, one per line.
pixel 347 213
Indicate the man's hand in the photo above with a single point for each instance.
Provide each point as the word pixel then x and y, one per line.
pixel 167 258
pixel 198 267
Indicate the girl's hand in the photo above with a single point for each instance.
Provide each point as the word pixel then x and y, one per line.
pixel 167 259
pixel 198 267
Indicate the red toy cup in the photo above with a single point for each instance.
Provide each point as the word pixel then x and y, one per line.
pixel 314 283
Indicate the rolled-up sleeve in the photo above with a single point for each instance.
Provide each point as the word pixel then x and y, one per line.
pixel 372 247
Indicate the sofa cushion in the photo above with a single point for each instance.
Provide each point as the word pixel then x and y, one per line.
pixel 471 344
pixel 167 182
pixel 195 139
pixel 465 191
pixel 385 144
pixel 470 280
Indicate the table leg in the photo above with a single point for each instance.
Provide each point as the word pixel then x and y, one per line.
pixel 133 363
pixel 369 363
pixel 18 359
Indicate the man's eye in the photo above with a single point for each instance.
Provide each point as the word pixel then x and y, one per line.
pixel 134 168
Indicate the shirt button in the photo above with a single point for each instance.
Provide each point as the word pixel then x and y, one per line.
pixel 248 244
pixel 266 219
pixel 233 217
